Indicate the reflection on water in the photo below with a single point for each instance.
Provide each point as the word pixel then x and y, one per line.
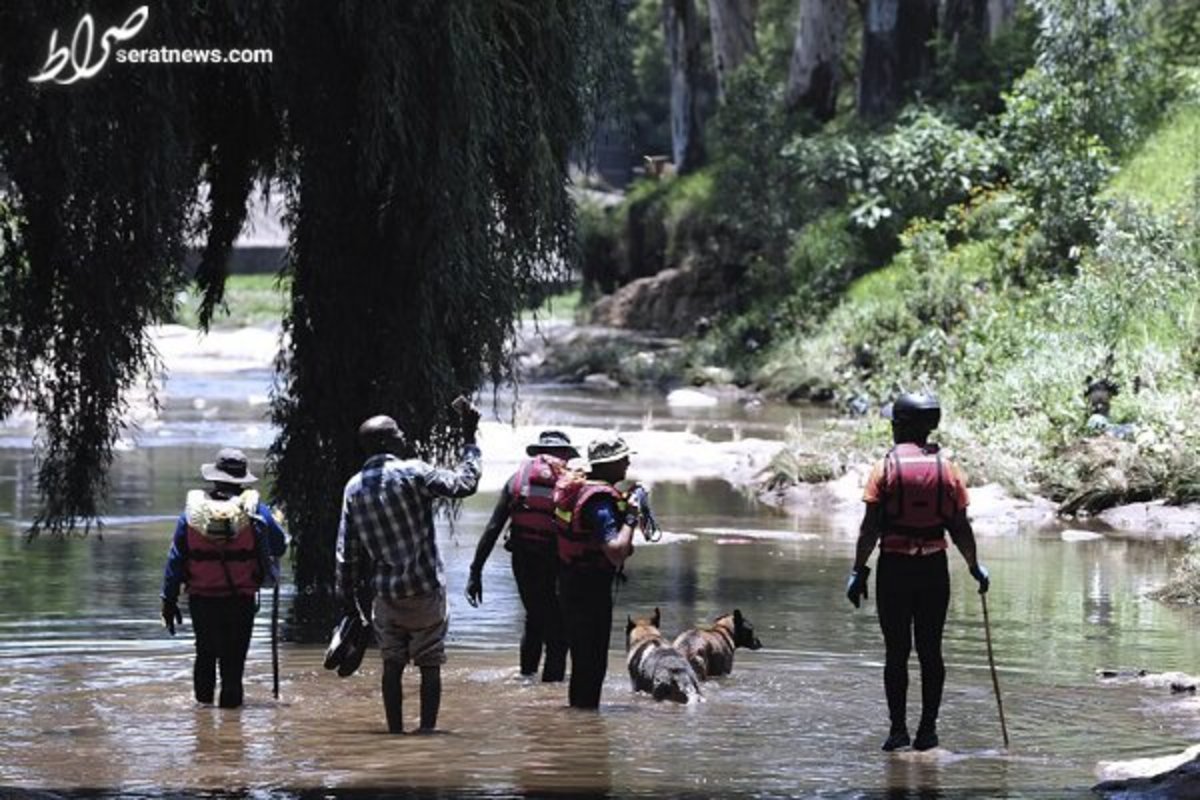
pixel 95 696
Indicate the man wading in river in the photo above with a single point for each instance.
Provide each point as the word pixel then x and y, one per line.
pixel 527 503
pixel 913 497
pixel 225 547
pixel 596 525
pixel 386 534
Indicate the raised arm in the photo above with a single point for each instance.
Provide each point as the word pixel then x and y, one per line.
pixel 462 481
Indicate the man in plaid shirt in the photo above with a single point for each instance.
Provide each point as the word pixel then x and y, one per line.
pixel 386 535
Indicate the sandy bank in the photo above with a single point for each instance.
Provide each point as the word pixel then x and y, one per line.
pixel 995 511
pixel 661 456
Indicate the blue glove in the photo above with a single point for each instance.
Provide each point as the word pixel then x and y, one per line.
pixel 979 572
pixel 856 585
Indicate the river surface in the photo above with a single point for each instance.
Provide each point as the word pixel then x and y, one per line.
pixel 95 697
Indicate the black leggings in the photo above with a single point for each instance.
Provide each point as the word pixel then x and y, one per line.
pixel 912 594
pixel 536 575
pixel 222 626
pixel 586 598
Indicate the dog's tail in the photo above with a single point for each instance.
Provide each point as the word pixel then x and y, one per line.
pixel 674 680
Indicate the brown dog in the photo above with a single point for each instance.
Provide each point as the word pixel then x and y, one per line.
pixel 655 666
pixel 709 648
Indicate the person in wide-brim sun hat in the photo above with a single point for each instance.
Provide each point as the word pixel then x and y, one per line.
pixel 607 450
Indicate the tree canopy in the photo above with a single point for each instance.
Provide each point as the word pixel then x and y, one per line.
pixel 424 150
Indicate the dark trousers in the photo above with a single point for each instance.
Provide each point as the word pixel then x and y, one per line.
pixel 536 575
pixel 586 601
pixel 222 626
pixel 912 594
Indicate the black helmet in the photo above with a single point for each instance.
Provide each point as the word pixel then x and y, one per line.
pixel 912 408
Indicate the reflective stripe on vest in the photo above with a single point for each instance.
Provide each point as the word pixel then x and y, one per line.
pixel 578 545
pixel 916 504
pixel 220 567
pixel 531 511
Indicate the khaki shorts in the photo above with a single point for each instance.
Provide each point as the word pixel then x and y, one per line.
pixel 412 628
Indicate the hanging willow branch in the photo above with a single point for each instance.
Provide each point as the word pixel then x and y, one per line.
pixel 423 147
pixel 428 198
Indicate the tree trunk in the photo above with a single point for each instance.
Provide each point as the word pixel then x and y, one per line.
pixel 682 35
pixel 896 52
pixel 732 25
pixel 816 57
pixel 965 24
pixel 1000 15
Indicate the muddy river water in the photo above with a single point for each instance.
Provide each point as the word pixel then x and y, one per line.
pixel 95 697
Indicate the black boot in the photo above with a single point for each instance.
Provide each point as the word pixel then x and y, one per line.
pixel 896 739
pixel 927 737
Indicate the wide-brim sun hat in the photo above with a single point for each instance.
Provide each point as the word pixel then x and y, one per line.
pixel 607 450
pixel 230 467
pixel 549 441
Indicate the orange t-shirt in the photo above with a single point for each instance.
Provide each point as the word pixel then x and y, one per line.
pixel 955 484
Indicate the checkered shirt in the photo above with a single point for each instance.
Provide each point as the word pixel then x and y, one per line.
pixel 387 523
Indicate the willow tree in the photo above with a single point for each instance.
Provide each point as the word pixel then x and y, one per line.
pixel 424 149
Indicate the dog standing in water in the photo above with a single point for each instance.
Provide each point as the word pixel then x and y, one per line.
pixel 655 666
pixel 709 649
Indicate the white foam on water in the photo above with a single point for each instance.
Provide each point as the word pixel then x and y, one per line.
pixel 1075 535
pixel 760 533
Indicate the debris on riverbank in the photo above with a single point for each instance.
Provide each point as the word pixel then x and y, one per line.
pixel 1173 777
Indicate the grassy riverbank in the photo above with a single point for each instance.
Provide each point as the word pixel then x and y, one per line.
pixel 250 300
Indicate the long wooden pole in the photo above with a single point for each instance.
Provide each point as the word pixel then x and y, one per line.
pixel 987 631
pixel 275 639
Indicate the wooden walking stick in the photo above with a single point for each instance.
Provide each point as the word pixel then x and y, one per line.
pixel 987 631
pixel 275 639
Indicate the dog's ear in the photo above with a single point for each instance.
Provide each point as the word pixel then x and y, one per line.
pixel 657 617
pixel 737 616
pixel 629 624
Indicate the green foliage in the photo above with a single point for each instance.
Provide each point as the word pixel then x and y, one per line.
pixel 973 73
pixel 824 257
pixel 759 203
pixel 1162 173
pixel 1097 84
pixel 924 165
pixel 647 97
pixel 104 196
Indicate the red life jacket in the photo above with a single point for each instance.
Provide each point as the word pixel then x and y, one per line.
pixel 917 503
pixel 578 545
pixel 531 511
pixel 223 558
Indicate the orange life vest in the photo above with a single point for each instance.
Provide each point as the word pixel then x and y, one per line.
pixel 578 545
pixel 917 504
pixel 223 558
pixel 531 511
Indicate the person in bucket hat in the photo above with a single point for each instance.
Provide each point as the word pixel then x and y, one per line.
pixel 226 545
pixel 526 506
pixel 596 522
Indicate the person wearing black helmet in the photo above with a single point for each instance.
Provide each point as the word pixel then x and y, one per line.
pixel 913 497
pixel 526 505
